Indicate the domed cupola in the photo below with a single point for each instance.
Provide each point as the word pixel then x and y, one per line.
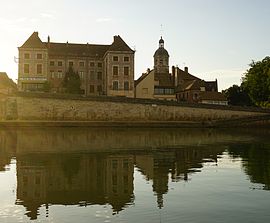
pixel 161 58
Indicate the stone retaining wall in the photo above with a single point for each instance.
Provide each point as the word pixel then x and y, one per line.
pixel 65 109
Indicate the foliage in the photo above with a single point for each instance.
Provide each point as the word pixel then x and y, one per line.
pixel 257 81
pixel 72 82
pixel 237 96
pixel 46 86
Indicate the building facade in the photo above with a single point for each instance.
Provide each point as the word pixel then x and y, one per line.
pixel 157 83
pixel 192 89
pixel 103 69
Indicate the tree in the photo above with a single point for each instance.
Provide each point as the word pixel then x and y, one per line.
pixel 257 81
pixel 46 86
pixel 236 95
pixel 72 82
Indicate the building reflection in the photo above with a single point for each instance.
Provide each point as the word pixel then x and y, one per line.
pixel 74 179
pixel 79 166
pixel 162 166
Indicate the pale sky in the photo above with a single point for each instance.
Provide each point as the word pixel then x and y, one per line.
pixel 214 38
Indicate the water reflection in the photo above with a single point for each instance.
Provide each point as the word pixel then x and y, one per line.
pixel 74 179
pixel 78 166
pixel 256 161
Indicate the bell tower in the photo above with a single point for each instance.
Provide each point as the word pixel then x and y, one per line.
pixel 161 58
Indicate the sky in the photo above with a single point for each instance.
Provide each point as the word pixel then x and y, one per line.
pixel 214 38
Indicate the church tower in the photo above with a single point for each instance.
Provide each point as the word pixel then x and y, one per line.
pixel 161 59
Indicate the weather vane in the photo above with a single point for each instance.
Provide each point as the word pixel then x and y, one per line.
pixel 161 29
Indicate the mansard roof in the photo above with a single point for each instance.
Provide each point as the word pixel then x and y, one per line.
pixel 33 42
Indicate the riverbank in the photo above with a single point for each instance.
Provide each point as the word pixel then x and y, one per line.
pixel 30 110
pixel 256 121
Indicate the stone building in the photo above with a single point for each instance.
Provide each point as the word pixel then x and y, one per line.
pixel 192 89
pixel 157 83
pixel 179 85
pixel 7 85
pixel 103 69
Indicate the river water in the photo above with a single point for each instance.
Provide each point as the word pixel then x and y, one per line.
pixel 134 175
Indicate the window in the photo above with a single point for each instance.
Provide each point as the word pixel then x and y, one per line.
pixel 99 64
pixel 26 56
pixel 126 71
pixel 39 56
pixel 126 85
pixel 38 180
pixel 114 164
pixel 161 62
pixel 81 64
pixel 99 88
pixel 92 64
pixel 52 73
pixel 51 63
pixel 159 91
pixel 115 85
pixel 114 180
pixel 26 68
pixel 81 74
pixel 92 75
pixel 115 70
pixel 60 74
pixel 115 58
pixel 125 180
pixel 60 63
pixel 70 63
pixel 99 75
pixel 92 89
pixel 145 90
pixel 126 59
pixel 39 68
pixel 125 163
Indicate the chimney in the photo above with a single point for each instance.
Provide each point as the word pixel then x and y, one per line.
pixel 173 70
pixel 49 40
pixel 186 69
pixel 67 44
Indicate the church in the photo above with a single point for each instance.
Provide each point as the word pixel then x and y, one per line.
pixel 179 85
pixel 157 83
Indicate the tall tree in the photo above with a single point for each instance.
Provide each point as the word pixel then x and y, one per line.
pixel 236 95
pixel 72 82
pixel 257 81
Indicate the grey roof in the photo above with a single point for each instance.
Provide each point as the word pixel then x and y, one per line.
pixel 212 95
pixel 119 45
pixel 5 81
pixel 33 42
pixel 161 52
pixel 91 50
pixel 94 50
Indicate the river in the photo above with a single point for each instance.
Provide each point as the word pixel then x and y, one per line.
pixel 134 175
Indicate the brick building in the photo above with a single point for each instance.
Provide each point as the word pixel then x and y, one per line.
pixel 103 69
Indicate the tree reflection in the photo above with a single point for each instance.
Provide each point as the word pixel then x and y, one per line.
pixel 256 161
